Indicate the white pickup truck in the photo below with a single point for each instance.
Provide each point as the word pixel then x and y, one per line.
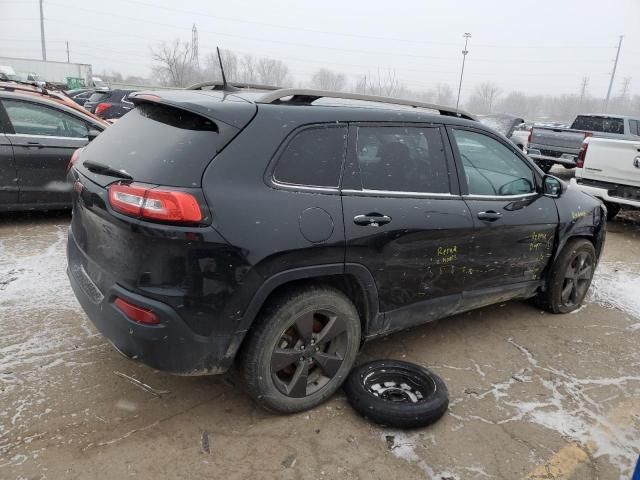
pixel 609 169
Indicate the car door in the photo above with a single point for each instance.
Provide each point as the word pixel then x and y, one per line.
pixel 405 220
pixel 514 225
pixel 43 139
pixel 8 173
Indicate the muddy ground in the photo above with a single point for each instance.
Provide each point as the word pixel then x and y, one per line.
pixel 533 395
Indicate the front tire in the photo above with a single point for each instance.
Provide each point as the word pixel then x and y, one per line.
pixel 612 210
pixel 545 166
pixel 302 349
pixel 570 278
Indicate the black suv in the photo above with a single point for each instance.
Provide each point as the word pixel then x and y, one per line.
pixel 283 229
pixel 109 104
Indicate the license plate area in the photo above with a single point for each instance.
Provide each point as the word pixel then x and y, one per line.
pixel 86 284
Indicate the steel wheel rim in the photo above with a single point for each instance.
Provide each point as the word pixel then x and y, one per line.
pixel 399 385
pixel 577 278
pixel 309 353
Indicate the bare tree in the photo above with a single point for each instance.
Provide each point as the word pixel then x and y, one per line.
pixel 386 84
pixel 484 97
pixel 444 94
pixel 325 79
pixel 174 65
pixel 272 72
pixel 229 62
pixel 515 103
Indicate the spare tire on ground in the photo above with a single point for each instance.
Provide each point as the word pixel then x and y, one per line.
pixel 397 394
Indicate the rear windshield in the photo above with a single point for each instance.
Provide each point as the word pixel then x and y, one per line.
pixel 599 124
pixel 99 96
pixel 159 145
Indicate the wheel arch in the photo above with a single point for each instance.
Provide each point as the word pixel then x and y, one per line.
pixel 354 280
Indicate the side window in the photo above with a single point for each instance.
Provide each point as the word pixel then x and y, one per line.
pixel 313 158
pixel 490 167
pixel 402 159
pixel 634 127
pixel 32 119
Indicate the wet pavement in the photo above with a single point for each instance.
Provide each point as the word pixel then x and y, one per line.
pixel 533 395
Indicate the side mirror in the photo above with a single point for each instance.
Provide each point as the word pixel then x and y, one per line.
pixel 551 186
pixel 92 134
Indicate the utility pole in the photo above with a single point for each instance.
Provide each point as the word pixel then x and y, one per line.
pixel 464 56
pixel 583 89
pixel 68 60
pixel 44 47
pixel 613 74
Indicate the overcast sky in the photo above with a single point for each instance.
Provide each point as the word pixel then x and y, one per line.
pixel 536 46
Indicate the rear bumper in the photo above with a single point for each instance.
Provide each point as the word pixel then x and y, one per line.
pixel 602 193
pixel 170 346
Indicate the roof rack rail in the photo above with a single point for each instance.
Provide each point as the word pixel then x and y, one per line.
pixel 218 85
pixel 305 96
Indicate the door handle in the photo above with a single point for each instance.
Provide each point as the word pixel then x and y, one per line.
pixel 489 215
pixel 34 145
pixel 371 220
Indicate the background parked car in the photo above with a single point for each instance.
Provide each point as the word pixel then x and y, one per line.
pixel 109 104
pixel 609 169
pixel 550 145
pixel 80 95
pixel 39 131
pixel 508 125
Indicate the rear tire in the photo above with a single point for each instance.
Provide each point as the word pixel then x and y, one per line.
pixel 612 210
pixel 301 349
pixel 570 278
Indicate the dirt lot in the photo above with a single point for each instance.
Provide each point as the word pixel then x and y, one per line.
pixel 533 395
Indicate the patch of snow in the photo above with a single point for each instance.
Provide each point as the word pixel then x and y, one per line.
pixel 617 285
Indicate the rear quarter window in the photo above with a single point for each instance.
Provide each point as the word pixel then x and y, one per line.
pixel 99 96
pixel 313 158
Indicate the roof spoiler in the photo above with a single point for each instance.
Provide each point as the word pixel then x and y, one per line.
pixel 305 96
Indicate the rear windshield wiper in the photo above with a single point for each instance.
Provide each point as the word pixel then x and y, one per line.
pixel 105 170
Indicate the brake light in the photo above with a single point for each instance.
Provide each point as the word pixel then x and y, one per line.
pixel 530 135
pixel 135 313
pixel 73 159
pixel 154 204
pixel 101 107
pixel 582 153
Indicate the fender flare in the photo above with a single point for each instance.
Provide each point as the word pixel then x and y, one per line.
pixel 359 272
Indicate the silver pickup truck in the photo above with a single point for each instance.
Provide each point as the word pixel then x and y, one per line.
pixel 551 145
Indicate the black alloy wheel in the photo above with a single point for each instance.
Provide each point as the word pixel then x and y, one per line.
pixel 309 353
pixel 301 349
pixel 577 278
pixel 569 279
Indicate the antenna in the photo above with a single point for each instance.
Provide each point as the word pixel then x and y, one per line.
pixel 225 86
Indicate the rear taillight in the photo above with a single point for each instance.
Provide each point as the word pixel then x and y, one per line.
pixel 154 204
pixel 73 159
pixel 101 107
pixel 582 153
pixel 135 313
pixel 530 135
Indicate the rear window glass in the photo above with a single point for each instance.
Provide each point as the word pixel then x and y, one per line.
pixel 313 158
pixel 599 124
pixel 159 145
pixel 99 96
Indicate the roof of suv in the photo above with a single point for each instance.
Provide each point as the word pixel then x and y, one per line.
pixel 223 105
